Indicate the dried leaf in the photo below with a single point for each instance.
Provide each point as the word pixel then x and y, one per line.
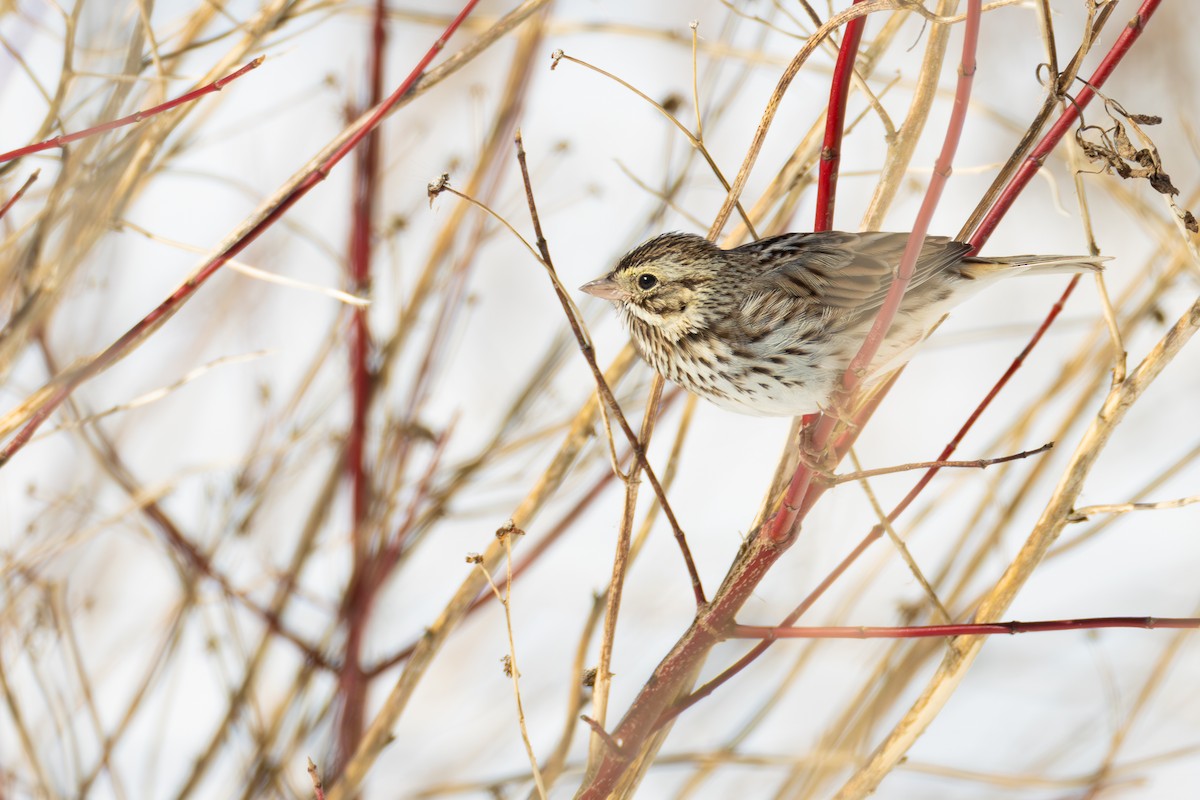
pixel 1117 154
pixel 1161 182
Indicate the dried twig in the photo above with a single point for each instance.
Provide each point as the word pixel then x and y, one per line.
pixel 965 629
pixel 979 463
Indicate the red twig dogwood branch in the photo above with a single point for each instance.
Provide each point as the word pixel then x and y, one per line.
pixel 138 116
pixel 12 201
pixel 368 572
pixel 835 123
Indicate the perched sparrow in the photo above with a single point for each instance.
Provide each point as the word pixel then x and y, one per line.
pixel 768 328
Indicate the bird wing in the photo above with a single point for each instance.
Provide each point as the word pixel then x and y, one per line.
pixel 847 271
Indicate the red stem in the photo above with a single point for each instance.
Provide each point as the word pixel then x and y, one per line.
pixel 169 306
pixel 835 121
pixel 367 575
pixel 933 194
pixel 12 201
pixel 137 116
pixel 831 157
pixel 359 268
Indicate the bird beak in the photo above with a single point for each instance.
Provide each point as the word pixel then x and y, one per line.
pixel 605 289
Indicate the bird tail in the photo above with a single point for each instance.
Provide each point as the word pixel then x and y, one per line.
pixel 1031 265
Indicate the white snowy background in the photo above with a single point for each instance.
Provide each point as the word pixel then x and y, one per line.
pixel 1037 710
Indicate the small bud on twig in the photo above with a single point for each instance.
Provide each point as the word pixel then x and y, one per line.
pixel 437 187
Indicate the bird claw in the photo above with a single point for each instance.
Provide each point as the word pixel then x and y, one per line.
pixel 818 459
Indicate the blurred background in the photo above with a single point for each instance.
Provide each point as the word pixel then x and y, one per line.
pixel 217 556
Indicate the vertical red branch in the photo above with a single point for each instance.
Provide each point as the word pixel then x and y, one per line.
pixel 835 123
pixel 364 580
pixel 366 163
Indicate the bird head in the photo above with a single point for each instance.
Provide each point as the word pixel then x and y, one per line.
pixel 663 283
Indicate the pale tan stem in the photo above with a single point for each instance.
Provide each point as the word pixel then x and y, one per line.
pixel 902 147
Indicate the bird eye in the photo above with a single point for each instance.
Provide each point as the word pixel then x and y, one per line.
pixel 646 281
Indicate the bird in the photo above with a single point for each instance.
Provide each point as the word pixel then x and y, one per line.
pixel 768 328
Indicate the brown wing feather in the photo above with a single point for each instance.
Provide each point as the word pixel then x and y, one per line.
pixel 850 271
